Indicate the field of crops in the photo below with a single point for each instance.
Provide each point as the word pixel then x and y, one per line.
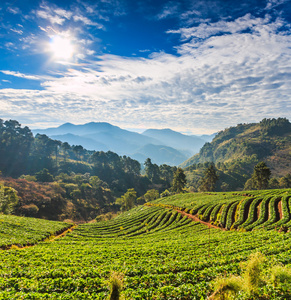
pixel 267 209
pixel 22 231
pixel 159 253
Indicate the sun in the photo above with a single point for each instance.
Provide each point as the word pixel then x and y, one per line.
pixel 61 47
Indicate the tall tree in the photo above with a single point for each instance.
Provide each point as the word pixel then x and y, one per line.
pixel 207 183
pixel 127 200
pixel 261 176
pixel 179 181
pixel 152 171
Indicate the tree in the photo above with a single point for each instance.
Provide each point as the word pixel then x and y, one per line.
pixel 179 181
pixel 273 183
pixel 285 182
pixel 151 195
pixel 127 200
pixel 152 171
pixel 44 176
pixel 207 183
pixel 261 176
pixel 8 199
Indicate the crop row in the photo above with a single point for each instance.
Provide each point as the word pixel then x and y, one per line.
pixel 23 231
pixel 174 259
pixel 248 211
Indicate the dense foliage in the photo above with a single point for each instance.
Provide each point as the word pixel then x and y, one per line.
pixel 59 181
pixel 236 150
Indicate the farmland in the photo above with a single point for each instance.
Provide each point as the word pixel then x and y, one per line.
pixel 159 253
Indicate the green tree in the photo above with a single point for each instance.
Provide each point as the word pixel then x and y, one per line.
pixel 127 200
pixel 208 182
pixel 151 195
pixel 273 183
pixel 261 176
pixel 44 176
pixel 285 182
pixel 179 181
pixel 8 199
pixel 152 171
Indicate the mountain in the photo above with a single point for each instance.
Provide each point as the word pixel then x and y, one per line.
pixel 87 143
pixel 159 154
pixel 207 137
pixel 162 146
pixel 269 141
pixel 184 143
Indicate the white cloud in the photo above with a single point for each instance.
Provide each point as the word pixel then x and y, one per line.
pixel 17 31
pixel 169 9
pixel 87 21
pixel 20 75
pixel 63 13
pixel 237 71
pixel 14 10
pixel 206 30
pixel 273 3
pixel 47 15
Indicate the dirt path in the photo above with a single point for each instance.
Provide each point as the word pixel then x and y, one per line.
pixel 51 238
pixel 196 219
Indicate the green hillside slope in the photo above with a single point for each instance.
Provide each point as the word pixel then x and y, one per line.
pixel 23 231
pixel 269 140
pixel 158 253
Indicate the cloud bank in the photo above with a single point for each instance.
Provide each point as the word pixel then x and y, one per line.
pixel 223 73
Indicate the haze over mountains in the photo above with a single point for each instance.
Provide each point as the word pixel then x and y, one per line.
pixel 163 146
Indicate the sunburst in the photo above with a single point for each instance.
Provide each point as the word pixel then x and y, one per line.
pixel 61 47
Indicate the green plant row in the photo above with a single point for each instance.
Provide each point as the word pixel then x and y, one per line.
pixel 253 213
pixel 23 231
pixel 175 259
pixel 243 212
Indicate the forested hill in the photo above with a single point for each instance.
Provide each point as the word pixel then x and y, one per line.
pixel 268 140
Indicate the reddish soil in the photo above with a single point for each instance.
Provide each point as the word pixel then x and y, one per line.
pixel 258 210
pixel 280 209
pixel 196 219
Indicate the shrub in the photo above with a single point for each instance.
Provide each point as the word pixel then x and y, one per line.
pixel 116 285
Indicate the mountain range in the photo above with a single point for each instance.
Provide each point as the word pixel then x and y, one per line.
pixel 163 146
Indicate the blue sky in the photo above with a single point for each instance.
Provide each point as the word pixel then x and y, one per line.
pixel 192 66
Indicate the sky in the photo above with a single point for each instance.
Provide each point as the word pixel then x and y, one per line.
pixel 193 66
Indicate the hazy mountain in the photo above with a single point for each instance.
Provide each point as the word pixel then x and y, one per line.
pixel 187 144
pixel 207 137
pixel 81 130
pixel 87 143
pixel 159 155
pixel 162 146
pixel 269 141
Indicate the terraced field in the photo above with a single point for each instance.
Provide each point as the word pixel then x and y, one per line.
pixel 159 253
pixel 270 209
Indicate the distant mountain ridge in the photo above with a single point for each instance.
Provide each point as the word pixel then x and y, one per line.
pixel 162 146
pixel 176 140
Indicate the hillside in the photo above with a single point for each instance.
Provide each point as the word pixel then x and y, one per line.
pixel 156 252
pixel 269 140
